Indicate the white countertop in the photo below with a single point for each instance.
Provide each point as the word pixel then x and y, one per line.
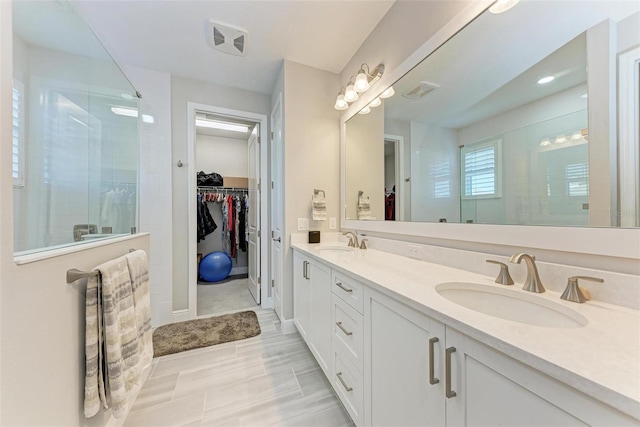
pixel 601 359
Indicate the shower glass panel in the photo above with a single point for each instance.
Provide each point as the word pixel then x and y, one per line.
pixel 543 175
pixel 75 136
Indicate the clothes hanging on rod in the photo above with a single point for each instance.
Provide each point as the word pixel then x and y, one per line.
pixel 234 205
pixel 390 205
pixel 206 224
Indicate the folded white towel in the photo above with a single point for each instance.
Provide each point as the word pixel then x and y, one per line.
pixel 319 207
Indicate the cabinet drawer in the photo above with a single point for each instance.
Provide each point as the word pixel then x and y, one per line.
pixel 348 331
pixel 348 384
pixel 350 290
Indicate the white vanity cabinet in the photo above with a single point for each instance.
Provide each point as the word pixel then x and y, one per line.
pixel 407 382
pixel 312 306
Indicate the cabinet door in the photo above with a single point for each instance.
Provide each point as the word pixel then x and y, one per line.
pixel 320 318
pixel 398 389
pixel 301 296
pixel 494 389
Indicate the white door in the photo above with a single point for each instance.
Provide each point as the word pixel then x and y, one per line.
pixel 254 215
pixel 276 206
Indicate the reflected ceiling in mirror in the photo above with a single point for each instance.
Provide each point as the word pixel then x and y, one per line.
pixel 503 125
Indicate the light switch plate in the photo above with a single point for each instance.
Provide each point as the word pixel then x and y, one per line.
pixel 332 223
pixel 303 224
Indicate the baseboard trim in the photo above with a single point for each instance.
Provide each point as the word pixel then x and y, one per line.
pixel 180 316
pixel 288 327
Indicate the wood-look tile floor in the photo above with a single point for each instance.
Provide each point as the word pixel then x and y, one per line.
pixel 268 380
pixel 225 297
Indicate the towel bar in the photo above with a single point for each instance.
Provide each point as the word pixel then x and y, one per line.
pixel 75 274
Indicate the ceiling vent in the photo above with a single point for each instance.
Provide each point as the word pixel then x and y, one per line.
pixel 228 39
pixel 420 91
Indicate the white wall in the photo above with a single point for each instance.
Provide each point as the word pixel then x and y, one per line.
pixel 312 154
pixel 155 184
pixel 184 90
pixel 628 32
pixel 226 156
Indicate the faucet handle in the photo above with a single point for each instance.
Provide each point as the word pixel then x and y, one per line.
pixel 363 244
pixel 573 292
pixel 504 278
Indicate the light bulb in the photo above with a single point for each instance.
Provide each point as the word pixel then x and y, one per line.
pixel 502 6
pixel 362 82
pixel 376 102
pixel 576 135
pixel 545 142
pixel 560 139
pixel 365 110
pixel 389 92
pixel 350 94
pixel 545 80
pixel 341 104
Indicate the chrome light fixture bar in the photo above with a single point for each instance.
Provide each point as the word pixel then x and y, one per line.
pixel 364 79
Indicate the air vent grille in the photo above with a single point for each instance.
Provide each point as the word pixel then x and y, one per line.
pixel 228 39
pixel 420 91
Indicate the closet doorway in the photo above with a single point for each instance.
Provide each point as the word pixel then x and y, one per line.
pixel 226 166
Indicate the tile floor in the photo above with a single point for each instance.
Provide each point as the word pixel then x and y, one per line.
pixel 268 380
pixel 224 297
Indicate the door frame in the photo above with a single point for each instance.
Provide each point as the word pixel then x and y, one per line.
pixel 398 141
pixel 261 119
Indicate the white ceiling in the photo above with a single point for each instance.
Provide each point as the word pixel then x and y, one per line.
pixel 171 35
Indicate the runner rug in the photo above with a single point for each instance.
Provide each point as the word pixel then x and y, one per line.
pixel 192 334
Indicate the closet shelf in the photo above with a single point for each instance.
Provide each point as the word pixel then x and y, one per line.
pixel 212 188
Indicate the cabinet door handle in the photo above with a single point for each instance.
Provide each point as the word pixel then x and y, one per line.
pixel 339 325
pixel 346 387
pixel 339 284
pixel 448 392
pixel 304 269
pixel 432 378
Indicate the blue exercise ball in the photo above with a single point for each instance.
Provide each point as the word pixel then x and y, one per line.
pixel 215 267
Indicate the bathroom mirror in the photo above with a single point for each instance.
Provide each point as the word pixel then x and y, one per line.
pixel 527 117
pixel 75 133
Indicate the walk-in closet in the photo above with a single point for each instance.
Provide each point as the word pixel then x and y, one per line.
pixel 225 254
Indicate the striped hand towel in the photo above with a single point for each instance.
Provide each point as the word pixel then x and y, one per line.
pixel 364 207
pixel 121 351
pixel 139 275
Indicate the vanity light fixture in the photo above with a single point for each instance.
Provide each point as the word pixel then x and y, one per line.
pixel 501 6
pixel 350 93
pixel 363 81
pixel 341 103
pixel 545 80
pixel 576 135
pixel 212 124
pixel 376 102
pixel 560 139
pixel 545 142
pixel 365 110
pixel 388 93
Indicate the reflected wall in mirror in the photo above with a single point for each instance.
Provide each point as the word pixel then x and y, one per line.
pixel 75 132
pixel 514 120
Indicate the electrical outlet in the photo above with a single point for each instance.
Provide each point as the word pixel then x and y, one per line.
pixel 332 223
pixel 415 251
pixel 303 224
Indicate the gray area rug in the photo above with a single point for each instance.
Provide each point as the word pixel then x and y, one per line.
pixel 192 334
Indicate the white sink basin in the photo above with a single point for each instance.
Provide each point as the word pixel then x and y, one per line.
pixel 334 247
pixel 511 305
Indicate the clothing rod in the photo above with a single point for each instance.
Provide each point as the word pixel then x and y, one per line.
pixel 209 188
pixel 75 274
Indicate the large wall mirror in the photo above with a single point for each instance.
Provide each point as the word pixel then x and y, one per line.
pixel 527 117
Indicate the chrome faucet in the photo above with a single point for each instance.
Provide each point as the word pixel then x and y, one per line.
pixel 533 282
pixel 353 239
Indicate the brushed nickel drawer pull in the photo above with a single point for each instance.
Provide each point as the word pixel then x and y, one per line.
pixel 339 325
pixel 346 387
pixel 339 284
pixel 432 378
pixel 448 392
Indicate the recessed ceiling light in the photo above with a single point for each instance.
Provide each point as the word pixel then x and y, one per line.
pixel 502 6
pixel 204 123
pixel 545 80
